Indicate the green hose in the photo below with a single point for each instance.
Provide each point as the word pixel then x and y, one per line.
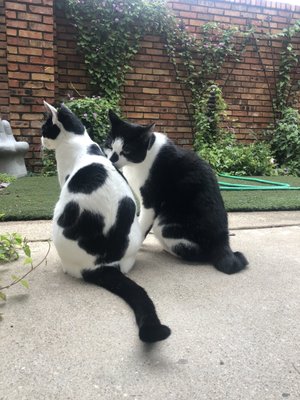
pixel 270 185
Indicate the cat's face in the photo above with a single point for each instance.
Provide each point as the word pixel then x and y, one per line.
pixel 59 124
pixel 127 143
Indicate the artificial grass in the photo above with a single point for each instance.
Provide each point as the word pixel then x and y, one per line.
pixel 34 197
pixel 29 198
pixel 263 200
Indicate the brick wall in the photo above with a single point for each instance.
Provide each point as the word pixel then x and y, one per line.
pixel 71 78
pixel 151 93
pixel 30 64
pixel 4 94
pixel 39 60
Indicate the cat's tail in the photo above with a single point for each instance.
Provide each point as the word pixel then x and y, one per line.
pixel 110 278
pixel 229 262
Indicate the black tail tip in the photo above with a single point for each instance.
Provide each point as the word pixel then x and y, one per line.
pixel 154 333
pixel 232 263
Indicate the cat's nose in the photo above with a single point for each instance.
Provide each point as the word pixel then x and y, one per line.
pixel 114 158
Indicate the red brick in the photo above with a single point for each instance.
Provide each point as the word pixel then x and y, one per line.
pixel 40 27
pixel 11 32
pixel 42 77
pixel 11 14
pixel 30 34
pixel 30 51
pixel 15 6
pixel 41 10
pixel 17 58
pixel 16 24
pixel 30 17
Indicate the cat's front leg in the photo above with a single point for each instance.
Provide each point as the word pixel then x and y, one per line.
pixel 146 220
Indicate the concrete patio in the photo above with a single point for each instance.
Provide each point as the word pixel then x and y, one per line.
pixel 233 337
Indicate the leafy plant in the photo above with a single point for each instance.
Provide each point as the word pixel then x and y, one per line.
pixel 5 178
pixel 209 113
pixel 109 35
pixel 285 141
pixel 10 246
pixel 48 163
pixel 228 156
pixel 93 112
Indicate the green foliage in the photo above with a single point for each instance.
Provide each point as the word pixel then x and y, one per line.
pixel 109 34
pixel 209 113
pixel 204 56
pixel 5 178
pixel 285 141
pixel 287 84
pixel 48 163
pixel 10 246
pixel 283 74
pixel 93 112
pixel 228 156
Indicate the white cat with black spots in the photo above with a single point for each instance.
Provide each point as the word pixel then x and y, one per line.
pixel 95 227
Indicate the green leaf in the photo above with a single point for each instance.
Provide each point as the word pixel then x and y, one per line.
pixel 28 260
pixel 2 296
pixel 27 250
pixel 25 283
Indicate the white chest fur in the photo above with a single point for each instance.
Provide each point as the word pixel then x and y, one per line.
pixel 137 174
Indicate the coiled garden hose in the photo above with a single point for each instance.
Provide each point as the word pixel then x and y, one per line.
pixel 269 185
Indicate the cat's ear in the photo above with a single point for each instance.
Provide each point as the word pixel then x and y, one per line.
pixel 114 119
pixel 51 111
pixel 150 128
pixel 65 109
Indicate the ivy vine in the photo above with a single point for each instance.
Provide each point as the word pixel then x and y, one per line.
pixel 110 33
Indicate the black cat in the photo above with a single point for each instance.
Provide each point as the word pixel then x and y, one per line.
pixel 179 195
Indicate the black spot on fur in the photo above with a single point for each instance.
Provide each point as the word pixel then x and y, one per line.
pixel 114 158
pixel 88 179
pixel 69 121
pixel 50 130
pixel 94 150
pixel 67 177
pixel 117 237
pixel 87 229
pixel 69 216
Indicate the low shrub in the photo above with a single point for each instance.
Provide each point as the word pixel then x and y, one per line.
pixel 93 112
pixel 48 163
pixel 228 156
pixel 285 142
pixel 5 178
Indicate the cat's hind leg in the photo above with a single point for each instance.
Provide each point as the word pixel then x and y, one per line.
pixel 227 261
pixel 171 237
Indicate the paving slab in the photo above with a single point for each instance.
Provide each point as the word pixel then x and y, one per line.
pixel 233 337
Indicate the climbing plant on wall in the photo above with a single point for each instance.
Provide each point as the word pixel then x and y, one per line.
pixel 110 33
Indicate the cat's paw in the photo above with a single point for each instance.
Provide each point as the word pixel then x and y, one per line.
pixel 232 263
pixel 154 333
